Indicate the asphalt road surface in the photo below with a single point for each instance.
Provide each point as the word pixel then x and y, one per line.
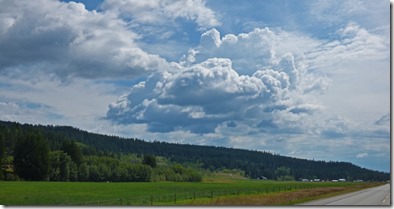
pixel 373 196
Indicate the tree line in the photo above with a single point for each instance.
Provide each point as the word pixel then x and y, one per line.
pixel 194 159
pixel 26 154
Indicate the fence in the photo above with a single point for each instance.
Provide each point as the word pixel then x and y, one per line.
pixel 172 199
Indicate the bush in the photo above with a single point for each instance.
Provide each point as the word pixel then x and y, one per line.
pixel 149 160
pixel 62 168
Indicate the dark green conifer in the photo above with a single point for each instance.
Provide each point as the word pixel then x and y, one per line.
pixel 31 157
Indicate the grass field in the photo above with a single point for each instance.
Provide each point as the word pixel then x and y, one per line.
pixel 156 193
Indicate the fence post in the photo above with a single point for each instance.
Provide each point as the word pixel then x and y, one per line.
pixel 194 196
pixel 175 198
pixel 151 200
pixel 121 201
pixel 211 194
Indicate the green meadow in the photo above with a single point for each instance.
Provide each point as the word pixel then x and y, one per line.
pixel 146 193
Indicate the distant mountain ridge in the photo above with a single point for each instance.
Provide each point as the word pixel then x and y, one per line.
pixel 255 164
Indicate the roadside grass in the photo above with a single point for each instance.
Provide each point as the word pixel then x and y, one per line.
pixel 280 198
pixel 13 193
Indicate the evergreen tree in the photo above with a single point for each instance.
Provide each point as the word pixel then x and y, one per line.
pixel 31 157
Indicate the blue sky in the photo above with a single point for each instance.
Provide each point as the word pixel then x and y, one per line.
pixel 307 79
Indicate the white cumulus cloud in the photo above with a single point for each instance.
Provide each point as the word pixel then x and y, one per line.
pixel 250 51
pixel 213 88
pixel 66 39
pixel 265 80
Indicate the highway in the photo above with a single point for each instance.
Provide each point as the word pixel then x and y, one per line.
pixel 373 196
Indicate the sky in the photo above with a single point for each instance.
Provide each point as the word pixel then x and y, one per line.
pixel 305 79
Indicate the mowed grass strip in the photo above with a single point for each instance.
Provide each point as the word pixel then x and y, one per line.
pixel 280 198
pixel 79 193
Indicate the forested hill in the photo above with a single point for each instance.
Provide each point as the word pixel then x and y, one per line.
pixel 255 164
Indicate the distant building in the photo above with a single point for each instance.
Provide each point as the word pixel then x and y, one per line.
pixel 342 180
pixel 316 180
pixel 304 180
pixel 334 180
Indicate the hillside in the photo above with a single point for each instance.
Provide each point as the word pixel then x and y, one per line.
pixel 255 164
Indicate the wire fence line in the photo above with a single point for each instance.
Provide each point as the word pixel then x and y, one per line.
pixel 176 198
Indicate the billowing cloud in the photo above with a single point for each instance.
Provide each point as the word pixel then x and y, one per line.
pixel 264 80
pixel 205 94
pixel 261 48
pixel 68 40
pixel 197 98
